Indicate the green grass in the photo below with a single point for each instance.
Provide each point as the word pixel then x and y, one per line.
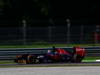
pixel 34 46
pixel 90 59
pixel 7 62
pixel 51 65
pixel 45 45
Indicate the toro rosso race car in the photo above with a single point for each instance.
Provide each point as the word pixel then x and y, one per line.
pixel 53 56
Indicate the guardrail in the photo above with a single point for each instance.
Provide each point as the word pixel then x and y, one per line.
pixel 10 53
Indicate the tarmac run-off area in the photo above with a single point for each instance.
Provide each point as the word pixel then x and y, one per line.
pixel 68 70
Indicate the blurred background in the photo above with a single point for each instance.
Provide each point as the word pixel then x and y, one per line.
pixel 25 22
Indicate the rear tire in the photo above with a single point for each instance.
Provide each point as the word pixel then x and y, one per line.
pixel 77 58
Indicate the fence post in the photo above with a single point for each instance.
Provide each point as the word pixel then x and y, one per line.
pixel 51 22
pixel 81 33
pixel 50 33
pixel 24 31
pixel 68 31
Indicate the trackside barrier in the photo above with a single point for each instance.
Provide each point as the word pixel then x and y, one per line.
pixel 10 53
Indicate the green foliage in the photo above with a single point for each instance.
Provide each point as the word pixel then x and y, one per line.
pixel 42 5
pixel 1 3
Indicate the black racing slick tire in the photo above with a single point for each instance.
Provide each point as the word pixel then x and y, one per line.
pixel 31 59
pixel 77 58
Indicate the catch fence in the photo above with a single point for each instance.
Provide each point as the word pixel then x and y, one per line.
pixel 75 34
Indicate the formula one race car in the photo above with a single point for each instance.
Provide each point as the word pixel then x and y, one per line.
pixel 53 56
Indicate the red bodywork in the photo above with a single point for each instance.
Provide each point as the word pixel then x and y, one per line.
pixel 61 51
pixel 58 54
pixel 80 51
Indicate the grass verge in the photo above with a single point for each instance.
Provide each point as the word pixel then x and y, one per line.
pixel 7 62
pixel 45 45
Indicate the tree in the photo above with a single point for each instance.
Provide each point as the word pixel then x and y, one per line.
pixel 25 9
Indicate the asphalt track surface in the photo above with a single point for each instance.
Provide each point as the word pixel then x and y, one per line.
pixel 85 68
pixel 80 70
pixel 52 64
